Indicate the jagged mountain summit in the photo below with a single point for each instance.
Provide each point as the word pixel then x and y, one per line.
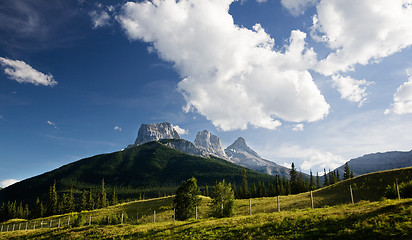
pixel 378 162
pixel 241 154
pixel 210 143
pixel 156 132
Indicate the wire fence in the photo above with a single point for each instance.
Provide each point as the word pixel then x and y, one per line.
pixel 167 213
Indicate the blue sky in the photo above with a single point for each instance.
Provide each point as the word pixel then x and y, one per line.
pixel 311 82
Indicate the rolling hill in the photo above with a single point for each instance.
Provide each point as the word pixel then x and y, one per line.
pixel 151 169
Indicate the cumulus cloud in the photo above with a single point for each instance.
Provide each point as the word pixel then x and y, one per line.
pixel 24 73
pixel 298 127
pixel 402 99
pixel 180 130
pixel 351 89
pixel 8 182
pixel 232 75
pixel 52 124
pixel 117 128
pixel 297 7
pixel 361 32
pixel 100 18
pixel 313 159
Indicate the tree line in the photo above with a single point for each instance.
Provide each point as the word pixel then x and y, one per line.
pixel 297 183
pixel 58 204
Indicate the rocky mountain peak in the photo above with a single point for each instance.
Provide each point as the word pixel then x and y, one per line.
pixel 209 142
pixel 240 146
pixel 155 132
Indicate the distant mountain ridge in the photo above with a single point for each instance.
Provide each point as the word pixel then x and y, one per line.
pixel 378 162
pixel 206 144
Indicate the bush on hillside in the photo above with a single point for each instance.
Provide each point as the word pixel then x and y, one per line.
pixel 405 190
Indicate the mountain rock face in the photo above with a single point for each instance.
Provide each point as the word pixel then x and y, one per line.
pixel 155 132
pixel 210 143
pixel 241 154
pixel 378 162
pixel 185 146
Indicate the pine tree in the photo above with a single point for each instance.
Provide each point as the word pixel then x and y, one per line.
pixel 312 182
pixel 222 200
pixel 271 190
pixel 347 173
pixel 186 199
pixel 337 176
pixel 114 197
pixel 83 201
pixel 38 209
pixel 53 204
pixel 90 200
pixel 326 180
pixel 317 180
pixel 206 191
pixel 294 188
pixel 103 196
pixel 70 201
pixel 245 187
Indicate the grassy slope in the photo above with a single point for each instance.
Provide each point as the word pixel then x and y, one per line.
pixel 385 219
pixel 388 219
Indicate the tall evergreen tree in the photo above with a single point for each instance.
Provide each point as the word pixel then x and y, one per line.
pixel 317 180
pixel 294 188
pixel 347 172
pixel 245 185
pixel 326 180
pixel 337 176
pixel 71 207
pixel 223 200
pixel 186 199
pixel 103 196
pixel 311 181
pixel 114 197
pixel 90 200
pixel 38 209
pixel 83 201
pixel 53 203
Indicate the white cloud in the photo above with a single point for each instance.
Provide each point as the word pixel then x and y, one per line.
pixel 8 182
pixel 298 127
pixel 361 32
pixel 180 130
pixel 231 74
pixel 351 89
pixel 1 117
pixel 100 18
pixel 52 124
pixel 297 7
pixel 261 1
pixel 117 128
pixel 402 99
pixel 313 158
pixel 24 73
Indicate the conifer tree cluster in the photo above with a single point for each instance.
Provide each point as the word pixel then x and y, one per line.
pixel 58 203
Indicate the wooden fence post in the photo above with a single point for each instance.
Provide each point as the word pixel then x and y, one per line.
pixel 27 223
pixel 250 207
pixel 90 220
pixel 59 223
pixel 397 189
pixel 174 214
pixel 19 226
pixel 278 204
pixel 51 221
pixel 154 216
pixel 122 218
pixel 311 199
pixel 13 227
pixel 196 211
pixel 351 194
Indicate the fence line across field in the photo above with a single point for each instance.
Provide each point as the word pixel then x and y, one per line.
pixel 62 222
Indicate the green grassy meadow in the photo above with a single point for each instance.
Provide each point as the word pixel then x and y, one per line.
pixel 334 217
